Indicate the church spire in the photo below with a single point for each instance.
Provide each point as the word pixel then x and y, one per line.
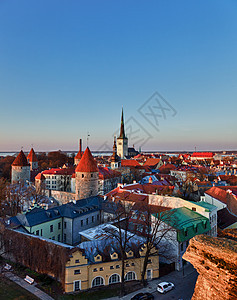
pixel 122 131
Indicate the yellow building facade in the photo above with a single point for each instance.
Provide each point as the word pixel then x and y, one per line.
pixel 80 274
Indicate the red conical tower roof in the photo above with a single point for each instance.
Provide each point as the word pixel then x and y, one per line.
pixel 32 156
pixel 20 160
pixel 87 163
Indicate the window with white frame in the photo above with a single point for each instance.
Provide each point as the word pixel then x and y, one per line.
pixel 77 285
pixel 114 278
pixel 130 276
pixel 97 281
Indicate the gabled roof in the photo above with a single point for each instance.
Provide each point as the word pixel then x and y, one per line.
pixel 217 193
pixel 151 161
pixel 106 246
pixel 70 210
pixel 87 163
pixel 20 160
pixel 106 173
pixel 167 167
pixel 40 176
pixel 129 163
pixel 32 156
pixel 58 171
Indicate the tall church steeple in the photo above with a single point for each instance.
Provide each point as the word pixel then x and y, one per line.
pixel 122 141
pixel 122 131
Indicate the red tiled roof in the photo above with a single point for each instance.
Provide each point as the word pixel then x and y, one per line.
pixel 137 156
pixel 167 167
pixel 40 176
pixel 20 160
pixel 129 163
pixel 217 193
pixel 105 172
pixel 151 162
pixel 79 155
pixel 203 154
pixel 59 171
pixel 120 194
pixel 32 156
pixel 87 163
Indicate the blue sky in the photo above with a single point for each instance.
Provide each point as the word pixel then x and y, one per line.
pixel 67 68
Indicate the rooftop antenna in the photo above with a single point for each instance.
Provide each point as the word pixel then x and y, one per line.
pixel 87 139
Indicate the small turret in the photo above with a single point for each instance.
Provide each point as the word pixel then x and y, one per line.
pixel 32 160
pixel 78 157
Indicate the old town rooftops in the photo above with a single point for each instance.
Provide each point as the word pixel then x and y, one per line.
pixel 58 171
pixel 70 210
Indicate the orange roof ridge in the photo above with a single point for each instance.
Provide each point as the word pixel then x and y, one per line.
pixel 87 163
pixel 20 160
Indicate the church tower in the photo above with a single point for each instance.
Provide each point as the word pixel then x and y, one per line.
pixel 122 141
pixel 115 159
pixel 32 160
pixel 20 169
pixel 87 176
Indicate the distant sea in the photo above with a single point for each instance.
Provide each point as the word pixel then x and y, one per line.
pixel 7 153
pixel 68 153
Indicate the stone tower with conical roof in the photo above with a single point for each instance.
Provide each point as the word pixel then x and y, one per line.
pixel 32 160
pixel 122 141
pixel 20 169
pixel 87 176
pixel 78 157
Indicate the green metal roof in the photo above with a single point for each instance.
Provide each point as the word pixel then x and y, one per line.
pixel 188 223
pixel 206 205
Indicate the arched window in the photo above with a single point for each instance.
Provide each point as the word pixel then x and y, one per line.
pixel 97 281
pixel 82 175
pixel 130 276
pixel 114 278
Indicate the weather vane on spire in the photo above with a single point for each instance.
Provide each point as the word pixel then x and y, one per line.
pixel 87 139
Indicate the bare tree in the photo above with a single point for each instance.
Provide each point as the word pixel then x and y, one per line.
pixel 121 216
pixel 153 224
pixel 3 184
